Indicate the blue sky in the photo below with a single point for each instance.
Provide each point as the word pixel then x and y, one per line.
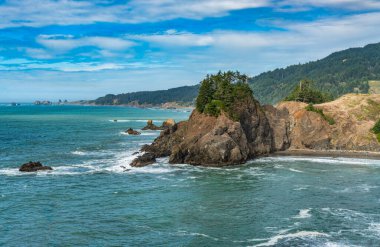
pixel 66 49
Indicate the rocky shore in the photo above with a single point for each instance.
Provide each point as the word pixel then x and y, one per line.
pixel 285 129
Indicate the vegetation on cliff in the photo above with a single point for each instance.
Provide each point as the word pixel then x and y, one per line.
pixel 305 92
pixel 310 107
pixel 220 92
pixel 376 130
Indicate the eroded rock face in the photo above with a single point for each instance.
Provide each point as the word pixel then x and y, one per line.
pixel 34 167
pixel 144 160
pixel 210 141
pixel 216 141
pixel 280 124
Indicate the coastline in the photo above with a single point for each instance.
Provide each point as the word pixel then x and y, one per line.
pixel 136 106
pixel 328 153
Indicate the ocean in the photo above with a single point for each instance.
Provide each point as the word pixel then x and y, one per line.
pixel 93 198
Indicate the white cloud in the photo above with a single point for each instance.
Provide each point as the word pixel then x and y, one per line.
pixel 254 52
pixel 344 4
pixel 69 12
pixel 64 44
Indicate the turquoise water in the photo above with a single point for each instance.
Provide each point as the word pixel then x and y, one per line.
pixel 91 200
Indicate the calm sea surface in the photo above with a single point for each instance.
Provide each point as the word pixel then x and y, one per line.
pixel 91 200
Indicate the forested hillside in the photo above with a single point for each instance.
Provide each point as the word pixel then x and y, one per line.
pixel 340 73
pixel 184 94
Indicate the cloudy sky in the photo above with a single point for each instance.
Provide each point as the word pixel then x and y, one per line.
pixel 66 49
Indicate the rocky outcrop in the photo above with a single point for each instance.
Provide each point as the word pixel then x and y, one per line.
pixel 354 116
pixel 131 131
pixel 219 141
pixel 216 141
pixel 144 160
pixel 166 124
pixel 34 167
pixel 151 126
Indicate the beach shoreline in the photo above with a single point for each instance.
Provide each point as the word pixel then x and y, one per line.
pixel 328 153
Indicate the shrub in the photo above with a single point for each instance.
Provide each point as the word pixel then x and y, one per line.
pixel 376 129
pixel 310 107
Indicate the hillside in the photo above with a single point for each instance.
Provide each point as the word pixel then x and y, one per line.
pixel 184 94
pixel 340 73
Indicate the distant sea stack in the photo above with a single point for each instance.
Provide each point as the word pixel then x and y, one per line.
pixel 226 130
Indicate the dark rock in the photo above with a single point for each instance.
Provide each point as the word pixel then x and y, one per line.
pixel 144 160
pixel 130 131
pixel 33 167
pixel 135 153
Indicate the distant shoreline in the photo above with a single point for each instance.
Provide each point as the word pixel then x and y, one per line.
pixel 329 153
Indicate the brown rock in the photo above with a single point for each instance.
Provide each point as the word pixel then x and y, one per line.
pixel 168 123
pixel 144 160
pixel 151 126
pixel 131 131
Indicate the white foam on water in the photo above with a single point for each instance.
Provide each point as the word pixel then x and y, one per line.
pixel 78 152
pixel 185 233
pixel 301 187
pixel 295 170
pixel 375 228
pixel 303 214
pixel 324 160
pixel 131 120
pixel 301 234
pixel 332 244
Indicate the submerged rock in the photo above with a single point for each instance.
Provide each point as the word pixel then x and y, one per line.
pixel 33 167
pixel 131 131
pixel 144 160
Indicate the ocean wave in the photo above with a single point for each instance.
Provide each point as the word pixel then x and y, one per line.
pixel 300 235
pixel 303 214
pixel 324 160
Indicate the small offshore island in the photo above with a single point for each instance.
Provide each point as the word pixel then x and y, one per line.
pixel 230 127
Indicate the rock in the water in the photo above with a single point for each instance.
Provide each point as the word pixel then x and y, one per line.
pixel 144 160
pixel 131 131
pixel 217 141
pixel 151 126
pixel 33 167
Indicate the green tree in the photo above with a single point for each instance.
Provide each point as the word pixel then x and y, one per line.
pixel 220 92
pixel 304 92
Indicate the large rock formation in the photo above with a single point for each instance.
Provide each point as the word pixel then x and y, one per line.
pixel 220 141
pixel 354 116
pixel 216 141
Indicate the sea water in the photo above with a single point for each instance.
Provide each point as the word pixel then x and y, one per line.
pixel 93 198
